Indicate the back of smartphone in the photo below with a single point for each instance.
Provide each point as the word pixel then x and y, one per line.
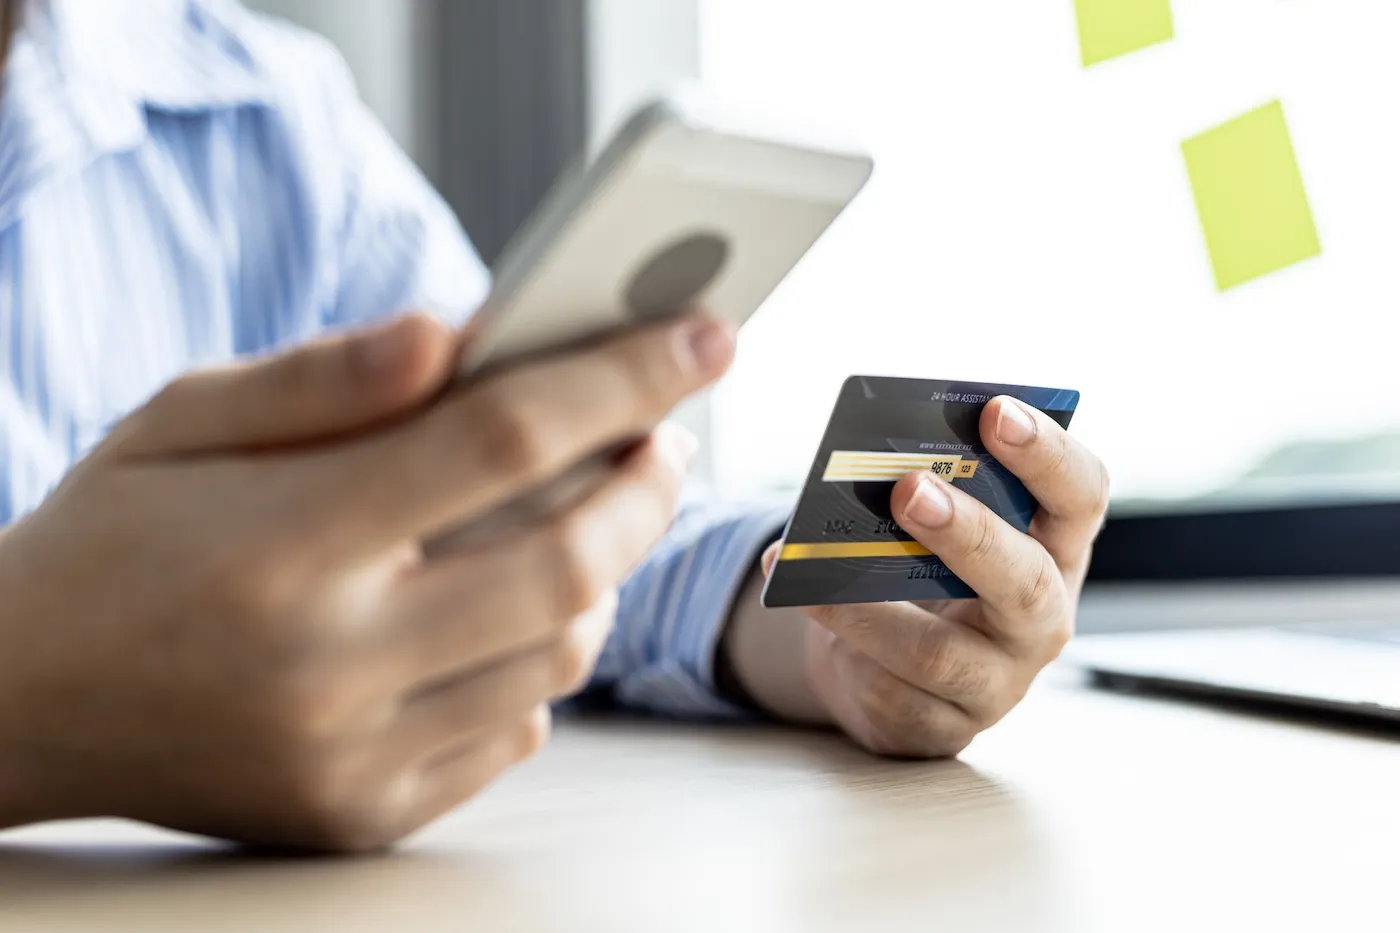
pixel 687 205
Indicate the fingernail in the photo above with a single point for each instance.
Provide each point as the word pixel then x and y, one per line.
pixel 1015 426
pixel 679 442
pixel 381 351
pixel 711 345
pixel 930 506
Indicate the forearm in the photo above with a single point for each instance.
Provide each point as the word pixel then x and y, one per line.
pixel 767 650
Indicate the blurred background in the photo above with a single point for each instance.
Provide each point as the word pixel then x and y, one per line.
pixel 1030 220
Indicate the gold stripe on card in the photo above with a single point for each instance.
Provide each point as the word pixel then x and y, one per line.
pixel 852 466
pixel 853 549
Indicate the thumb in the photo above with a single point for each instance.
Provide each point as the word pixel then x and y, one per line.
pixel 329 386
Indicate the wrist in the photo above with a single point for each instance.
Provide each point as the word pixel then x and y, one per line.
pixel 767 651
pixel 728 684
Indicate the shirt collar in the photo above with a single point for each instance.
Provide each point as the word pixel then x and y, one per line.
pixel 163 54
pixel 82 75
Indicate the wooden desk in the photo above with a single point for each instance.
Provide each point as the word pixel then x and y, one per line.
pixel 1082 812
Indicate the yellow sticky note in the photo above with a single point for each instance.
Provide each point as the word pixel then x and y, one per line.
pixel 1109 28
pixel 1249 193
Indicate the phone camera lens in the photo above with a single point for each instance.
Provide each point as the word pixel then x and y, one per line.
pixel 675 276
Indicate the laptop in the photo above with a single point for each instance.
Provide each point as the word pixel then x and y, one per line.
pixel 1351 669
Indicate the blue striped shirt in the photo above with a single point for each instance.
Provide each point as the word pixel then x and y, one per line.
pixel 181 182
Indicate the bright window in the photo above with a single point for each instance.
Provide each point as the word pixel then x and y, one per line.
pixel 1031 221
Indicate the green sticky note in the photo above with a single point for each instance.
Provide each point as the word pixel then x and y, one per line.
pixel 1109 28
pixel 1250 196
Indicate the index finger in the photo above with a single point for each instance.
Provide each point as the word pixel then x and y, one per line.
pixel 1012 574
pixel 497 438
pixel 1069 482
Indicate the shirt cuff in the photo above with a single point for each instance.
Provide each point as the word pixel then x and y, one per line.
pixel 674 609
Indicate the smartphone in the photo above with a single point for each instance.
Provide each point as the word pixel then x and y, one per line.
pixel 692 203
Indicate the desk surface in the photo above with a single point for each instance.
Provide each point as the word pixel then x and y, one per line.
pixel 1083 811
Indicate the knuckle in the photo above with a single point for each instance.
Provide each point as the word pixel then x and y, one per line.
pixel 944 663
pixel 249 581
pixel 572 661
pixel 984 540
pixel 1035 589
pixel 301 722
pixel 336 807
pixel 652 367
pixel 856 621
pixel 304 711
pixel 1057 455
pixel 307 370
pixel 507 435
pixel 327 813
pixel 261 622
pixel 351 828
pixel 534 733
pixel 577 586
pixel 576 651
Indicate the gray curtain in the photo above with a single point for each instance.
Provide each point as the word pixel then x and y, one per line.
pixel 510 107
pixel 490 97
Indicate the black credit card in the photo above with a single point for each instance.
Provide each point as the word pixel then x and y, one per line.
pixel 842 544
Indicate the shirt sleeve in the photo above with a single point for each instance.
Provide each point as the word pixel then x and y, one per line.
pixel 398 244
pixel 673 609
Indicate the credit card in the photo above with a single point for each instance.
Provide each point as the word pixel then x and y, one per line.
pixel 842 544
